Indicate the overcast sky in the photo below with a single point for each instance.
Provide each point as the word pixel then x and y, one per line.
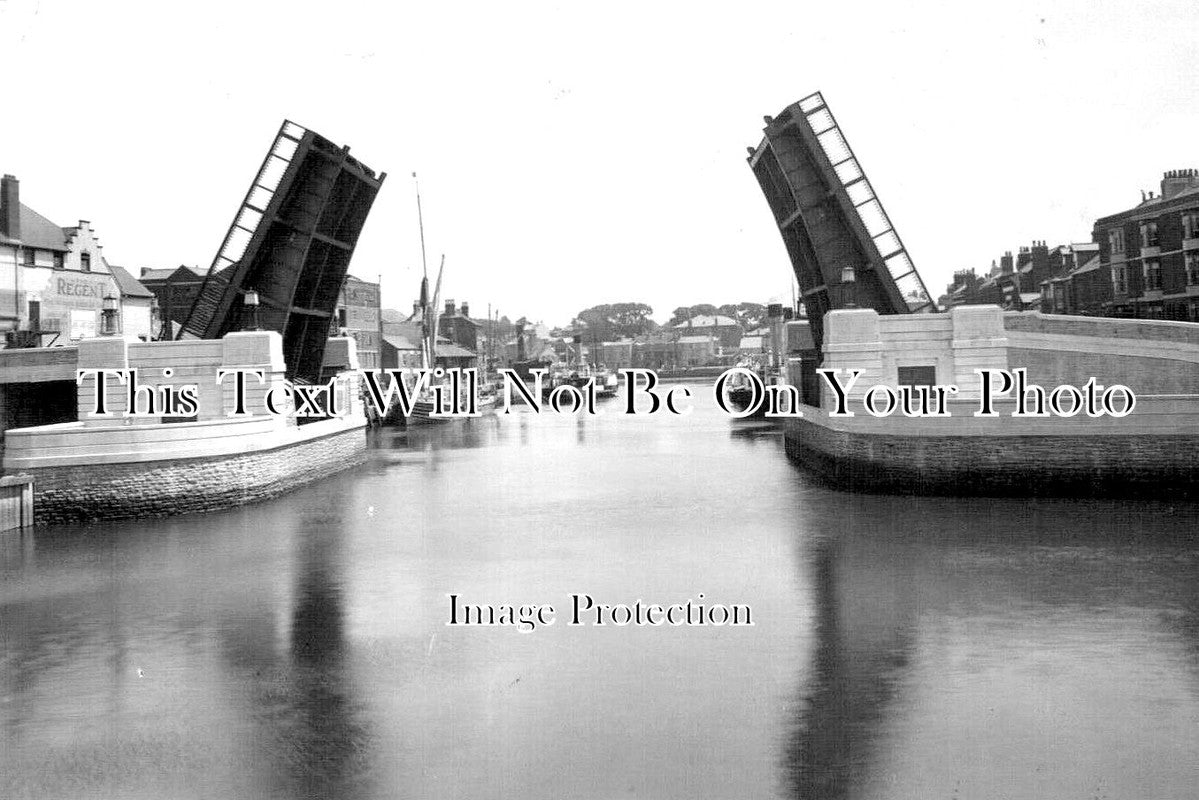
pixel 575 154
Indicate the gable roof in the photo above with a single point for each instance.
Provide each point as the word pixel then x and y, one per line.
pixel 451 350
pixel 400 342
pixel 38 232
pixel 128 285
pixel 1093 264
pixel 181 272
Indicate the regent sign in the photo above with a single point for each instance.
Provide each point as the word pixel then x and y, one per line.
pixel 69 287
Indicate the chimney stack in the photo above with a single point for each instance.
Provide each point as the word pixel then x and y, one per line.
pixel 1176 181
pixel 449 308
pixel 465 309
pixel 10 207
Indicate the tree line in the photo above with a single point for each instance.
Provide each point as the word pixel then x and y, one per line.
pixel 612 321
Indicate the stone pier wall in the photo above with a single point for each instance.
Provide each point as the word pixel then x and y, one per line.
pixel 1153 454
pixel 159 488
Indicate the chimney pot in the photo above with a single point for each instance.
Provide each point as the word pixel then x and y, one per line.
pixel 1176 181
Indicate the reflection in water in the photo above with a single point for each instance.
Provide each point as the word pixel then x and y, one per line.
pixel 1001 643
pixel 312 740
pixel 902 647
pixel 856 668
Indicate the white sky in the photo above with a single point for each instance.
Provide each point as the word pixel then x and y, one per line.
pixel 571 155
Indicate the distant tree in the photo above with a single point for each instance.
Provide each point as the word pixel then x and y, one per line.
pixel 749 315
pixel 614 321
pixel 684 313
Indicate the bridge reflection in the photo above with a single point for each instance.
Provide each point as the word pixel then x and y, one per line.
pixel 930 618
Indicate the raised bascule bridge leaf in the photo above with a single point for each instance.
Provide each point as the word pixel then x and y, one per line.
pixel 291 242
pixel 842 245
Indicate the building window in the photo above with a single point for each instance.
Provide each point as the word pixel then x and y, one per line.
pixel 1190 225
pixel 1149 234
pixel 1120 279
pixel 1153 275
pixel 1116 239
pixel 58 262
pixel 85 262
pixel 30 256
pixel 1192 262
pixel 916 376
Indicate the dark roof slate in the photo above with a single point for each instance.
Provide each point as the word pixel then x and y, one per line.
pixel 129 285
pixel 38 232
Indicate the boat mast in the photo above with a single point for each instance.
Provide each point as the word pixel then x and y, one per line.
pixel 421 221
pixel 424 283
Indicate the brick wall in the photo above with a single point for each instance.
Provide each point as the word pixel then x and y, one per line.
pixel 188 485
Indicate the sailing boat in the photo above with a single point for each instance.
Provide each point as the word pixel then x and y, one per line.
pixel 423 405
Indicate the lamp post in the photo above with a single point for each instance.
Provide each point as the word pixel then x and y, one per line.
pixel 250 305
pixel 848 287
pixel 155 318
pixel 109 316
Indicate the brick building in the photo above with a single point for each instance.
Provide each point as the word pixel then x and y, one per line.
pixel 1151 252
pixel 175 290
pixel 457 326
pixel 358 315
pixel 1080 286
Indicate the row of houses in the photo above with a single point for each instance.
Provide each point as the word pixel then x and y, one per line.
pixel 703 340
pixel 1141 263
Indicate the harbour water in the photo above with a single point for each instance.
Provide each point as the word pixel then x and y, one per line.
pixel 901 647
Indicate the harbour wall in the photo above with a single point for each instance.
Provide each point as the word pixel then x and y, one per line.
pixel 1155 447
pixel 1150 452
pixel 118 465
pixel 88 492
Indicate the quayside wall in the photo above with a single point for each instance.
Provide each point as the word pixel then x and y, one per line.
pixel 1154 449
pixel 118 465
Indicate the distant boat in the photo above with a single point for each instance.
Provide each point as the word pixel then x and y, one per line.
pixel 580 376
pixel 740 391
pixel 605 382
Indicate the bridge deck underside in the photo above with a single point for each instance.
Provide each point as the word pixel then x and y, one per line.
pixel 297 248
pixel 839 240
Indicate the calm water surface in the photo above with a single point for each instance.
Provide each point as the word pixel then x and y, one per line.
pixel 903 647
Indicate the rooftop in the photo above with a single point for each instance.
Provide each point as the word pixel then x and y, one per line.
pixel 38 232
pixel 707 321
pixel 400 342
pixel 149 274
pixel 451 350
pixel 129 285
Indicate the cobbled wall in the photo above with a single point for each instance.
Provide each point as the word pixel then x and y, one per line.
pixel 1074 465
pixel 188 485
